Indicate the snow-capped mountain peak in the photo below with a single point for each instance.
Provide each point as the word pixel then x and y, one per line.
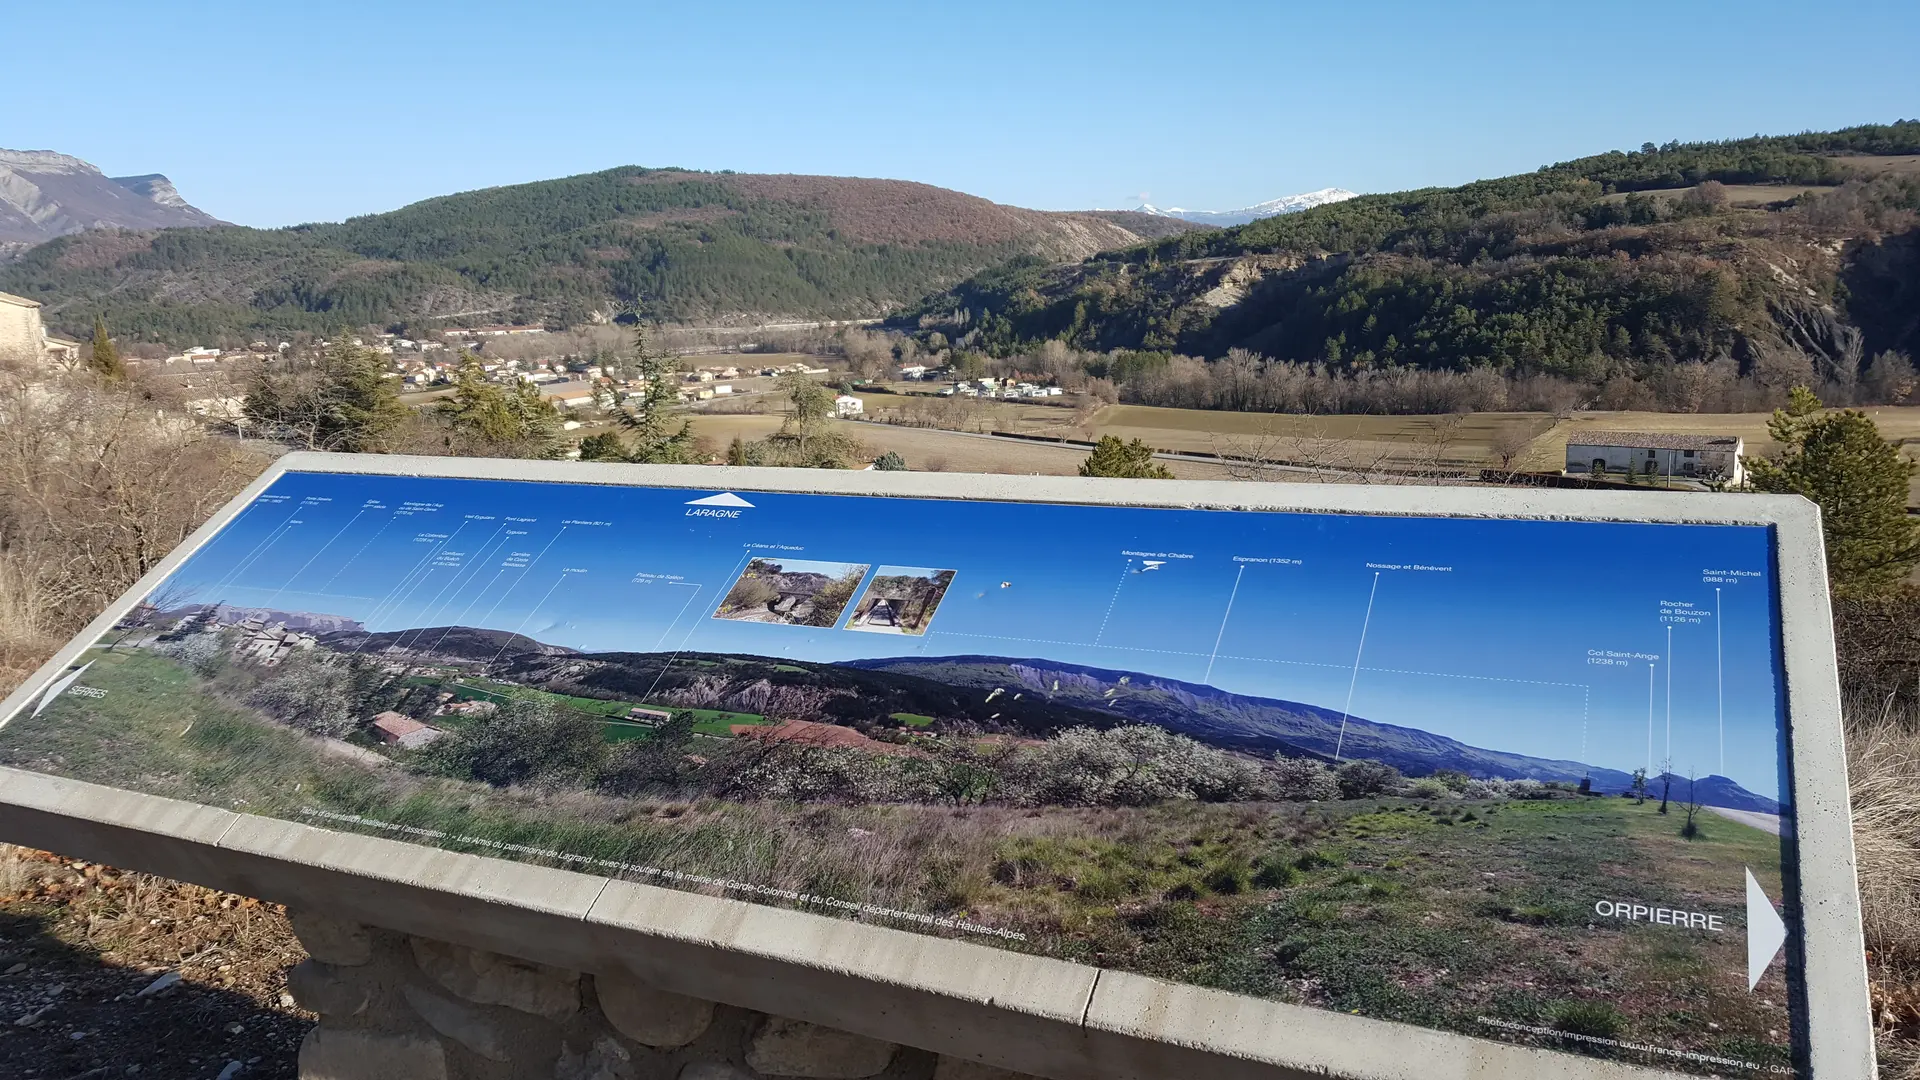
pixel 1286 204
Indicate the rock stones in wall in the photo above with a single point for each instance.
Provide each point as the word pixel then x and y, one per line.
pixel 492 979
pixel 415 1009
pixel 785 1047
pixel 321 988
pixel 330 941
pixel 648 1016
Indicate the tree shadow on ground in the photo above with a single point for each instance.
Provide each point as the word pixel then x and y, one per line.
pixel 73 971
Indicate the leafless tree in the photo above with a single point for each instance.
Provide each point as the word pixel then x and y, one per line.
pixel 1690 828
pixel 97 485
pixel 1509 441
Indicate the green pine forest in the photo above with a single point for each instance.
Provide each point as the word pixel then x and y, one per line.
pixel 1675 253
pixel 663 244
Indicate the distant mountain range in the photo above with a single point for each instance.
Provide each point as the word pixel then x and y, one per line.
pixel 460 643
pixel 671 244
pixel 1285 204
pixel 1221 718
pixel 1036 697
pixel 228 614
pixel 44 195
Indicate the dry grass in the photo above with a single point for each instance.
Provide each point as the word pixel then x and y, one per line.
pixel 1883 750
pixel 1737 194
pixel 934 450
pixel 1893 163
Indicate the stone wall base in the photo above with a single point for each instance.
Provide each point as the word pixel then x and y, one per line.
pixel 397 1007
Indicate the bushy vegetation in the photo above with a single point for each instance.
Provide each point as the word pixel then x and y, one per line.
pixel 1131 460
pixel 1544 274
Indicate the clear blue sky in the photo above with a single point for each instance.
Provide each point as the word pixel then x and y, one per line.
pixel 273 113
pixel 1495 651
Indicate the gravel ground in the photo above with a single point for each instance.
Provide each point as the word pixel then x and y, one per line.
pixel 105 973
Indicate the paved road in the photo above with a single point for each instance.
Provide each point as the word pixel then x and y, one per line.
pixel 1767 822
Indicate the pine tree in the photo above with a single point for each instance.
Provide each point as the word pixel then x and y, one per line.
pixel 1133 460
pixel 343 402
pixel 363 405
pixel 105 359
pixel 651 436
pixel 806 439
pixel 890 462
pixel 512 420
pixel 1859 480
pixel 603 447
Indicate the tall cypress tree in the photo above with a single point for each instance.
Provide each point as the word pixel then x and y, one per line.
pixel 105 359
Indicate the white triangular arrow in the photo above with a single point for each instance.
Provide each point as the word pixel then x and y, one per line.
pixel 60 687
pixel 725 498
pixel 1765 932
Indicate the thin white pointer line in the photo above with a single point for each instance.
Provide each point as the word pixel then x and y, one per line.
pixel 1223 624
pixel 1341 742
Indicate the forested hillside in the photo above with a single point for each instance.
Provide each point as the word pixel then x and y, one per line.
pixel 1727 252
pixel 663 243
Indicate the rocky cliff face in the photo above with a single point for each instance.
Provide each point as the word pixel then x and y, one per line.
pixel 44 195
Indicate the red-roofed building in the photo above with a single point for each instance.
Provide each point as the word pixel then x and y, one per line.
pixel 396 729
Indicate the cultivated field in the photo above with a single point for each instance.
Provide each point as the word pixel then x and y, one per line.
pixel 1737 194
pixel 1895 163
pixel 934 450
pixel 1345 441
pixel 1472 441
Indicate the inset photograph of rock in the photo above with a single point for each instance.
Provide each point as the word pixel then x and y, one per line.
pixel 795 592
pixel 900 600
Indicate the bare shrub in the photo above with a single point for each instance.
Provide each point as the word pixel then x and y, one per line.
pixel 98 482
pixel 1365 779
pixel 1303 780
pixel 1133 766
pixel 308 693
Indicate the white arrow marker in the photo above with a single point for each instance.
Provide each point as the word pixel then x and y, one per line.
pixel 725 498
pixel 60 687
pixel 1765 932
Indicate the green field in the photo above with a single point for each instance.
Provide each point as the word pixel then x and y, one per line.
pixel 1429 912
pixel 707 721
pixel 913 719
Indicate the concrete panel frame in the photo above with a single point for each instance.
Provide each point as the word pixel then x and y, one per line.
pixel 1029 1014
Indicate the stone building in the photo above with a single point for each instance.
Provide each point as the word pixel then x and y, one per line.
pixel 1664 457
pixel 22 334
pixel 268 645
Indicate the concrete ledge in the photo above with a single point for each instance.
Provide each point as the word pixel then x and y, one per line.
pixel 1008 1009
pixel 1138 1028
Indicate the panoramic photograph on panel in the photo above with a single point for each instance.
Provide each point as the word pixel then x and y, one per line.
pixel 1516 779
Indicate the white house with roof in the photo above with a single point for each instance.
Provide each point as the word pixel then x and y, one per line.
pixel 1699 458
pixel 847 407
